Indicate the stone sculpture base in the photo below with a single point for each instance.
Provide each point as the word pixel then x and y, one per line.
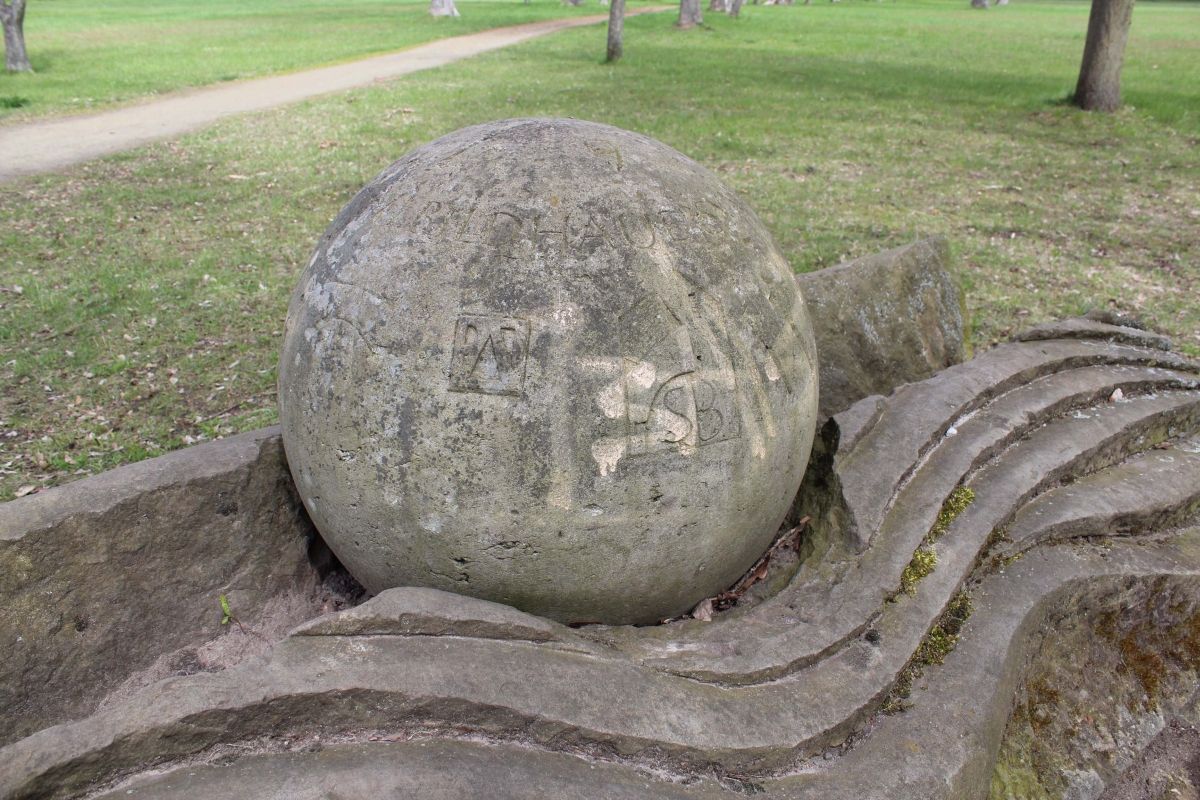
pixel 998 595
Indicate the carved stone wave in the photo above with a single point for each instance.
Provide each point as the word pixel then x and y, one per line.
pixel 1079 456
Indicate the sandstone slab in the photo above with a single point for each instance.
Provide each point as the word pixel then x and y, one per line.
pixel 100 578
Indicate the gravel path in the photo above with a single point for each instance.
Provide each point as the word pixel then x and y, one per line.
pixel 40 147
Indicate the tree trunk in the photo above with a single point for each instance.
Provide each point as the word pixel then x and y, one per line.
pixel 735 8
pixel 979 3
pixel 716 5
pixel 443 8
pixel 1099 86
pixel 689 13
pixel 12 15
pixel 572 2
pixel 616 31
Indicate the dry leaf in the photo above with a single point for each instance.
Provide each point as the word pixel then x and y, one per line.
pixel 24 490
pixel 703 610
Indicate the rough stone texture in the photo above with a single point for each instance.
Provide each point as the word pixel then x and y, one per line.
pixel 416 611
pixel 1139 646
pixel 782 699
pixel 1089 328
pixel 553 364
pixel 891 318
pixel 100 578
pixel 433 770
pixel 1168 769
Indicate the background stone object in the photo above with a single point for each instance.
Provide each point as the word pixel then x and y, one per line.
pixel 860 678
pixel 887 319
pixel 553 364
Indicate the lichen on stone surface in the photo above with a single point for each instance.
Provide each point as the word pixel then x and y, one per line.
pixel 1139 646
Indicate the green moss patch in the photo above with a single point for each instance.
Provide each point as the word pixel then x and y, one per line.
pixel 937 644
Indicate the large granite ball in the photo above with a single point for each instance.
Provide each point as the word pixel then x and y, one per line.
pixel 553 364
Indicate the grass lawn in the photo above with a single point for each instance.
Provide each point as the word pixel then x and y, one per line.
pixel 88 55
pixel 142 297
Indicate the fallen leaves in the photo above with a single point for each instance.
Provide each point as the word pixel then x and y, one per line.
pixel 788 540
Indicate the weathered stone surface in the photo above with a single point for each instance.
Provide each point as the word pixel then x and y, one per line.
pixel 417 611
pixel 785 695
pixel 1153 491
pixel 993 404
pixel 428 770
pixel 553 364
pixel 885 320
pixel 1110 690
pixel 1168 768
pixel 101 577
pixel 954 724
pixel 1088 328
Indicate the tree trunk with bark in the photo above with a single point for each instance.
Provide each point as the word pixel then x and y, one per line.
pixel 689 13
pixel 979 3
pixel 616 31
pixel 716 5
pixel 735 8
pixel 443 8
pixel 12 16
pixel 1099 86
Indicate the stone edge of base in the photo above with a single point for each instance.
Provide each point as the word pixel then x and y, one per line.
pixel 99 493
pixel 103 578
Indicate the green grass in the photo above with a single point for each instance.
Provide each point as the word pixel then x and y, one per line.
pixel 88 55
pixel 154 284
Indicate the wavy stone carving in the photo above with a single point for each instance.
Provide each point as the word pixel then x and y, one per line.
pixel 1081 448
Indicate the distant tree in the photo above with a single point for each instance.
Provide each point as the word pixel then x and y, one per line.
pixel 443 8
pixel 616 31
pixel 979 3
pixel 735 8
pixel 1099 86
pixel 716 5
pixel 12 16
pixel 689 13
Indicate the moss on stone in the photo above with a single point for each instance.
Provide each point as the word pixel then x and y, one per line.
pixel 923 562
pixel 955 504
pixel 924 559
pixel 1013 779
pixel 937 644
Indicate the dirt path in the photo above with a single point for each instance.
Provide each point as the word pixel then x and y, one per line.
pixel 39 147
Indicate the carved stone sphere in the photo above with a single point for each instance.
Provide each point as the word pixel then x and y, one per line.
pixel 553 364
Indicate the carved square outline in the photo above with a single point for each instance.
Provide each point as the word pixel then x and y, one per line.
pixel 489 354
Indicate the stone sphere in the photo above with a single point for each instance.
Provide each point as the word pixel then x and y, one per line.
pixel 553 364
